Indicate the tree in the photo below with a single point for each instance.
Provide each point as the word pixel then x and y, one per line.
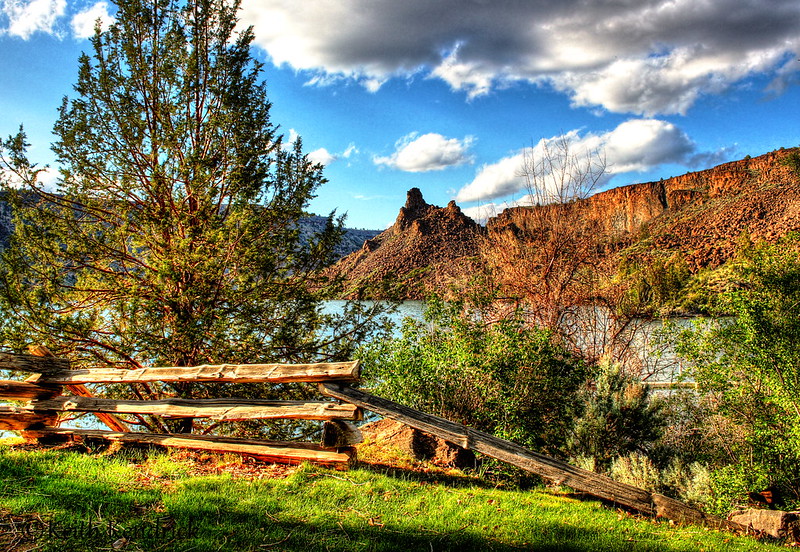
pixel 173 236
pixel 545 255
pixel 746 359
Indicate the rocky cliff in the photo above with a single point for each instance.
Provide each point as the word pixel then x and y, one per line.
pixel 701 214
pixel 423 251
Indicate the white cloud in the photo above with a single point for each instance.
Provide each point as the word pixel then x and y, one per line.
pixel 322 156
pixel 25 18
pixel 495 180
pixel 429 152
pixel 641 144
pixel 645 57
pixel 350 151
pixel 83 23
pixel 636 145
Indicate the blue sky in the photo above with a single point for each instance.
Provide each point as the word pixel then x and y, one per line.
pixel 444 95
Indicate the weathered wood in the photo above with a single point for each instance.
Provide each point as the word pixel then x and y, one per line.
pixel 242 373
pixel 112 422
pixel 218 409
pixel 272 451
pixel 33 363
pixel 506 451
pixel 15 418
pixel 337 433
pixel 23 390
pixel 679 512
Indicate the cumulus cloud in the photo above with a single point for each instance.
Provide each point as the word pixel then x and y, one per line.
pixel 25 18
pixel 321 156
pixel 634 146
pixel 428 152
pixel 645 57
pixel 83 23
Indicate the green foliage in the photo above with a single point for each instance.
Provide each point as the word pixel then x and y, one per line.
pixel 502 377
pixel 690 483
pixel 637 470
pixel 792 160
pixel 749 363
pixel 619 417
pixel 173 236
pixel 653 283
pixel 730 485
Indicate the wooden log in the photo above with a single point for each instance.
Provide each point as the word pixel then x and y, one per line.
pixel 112 422
pixel 563 474
pixel 218 409
pixel 679 512
pixel 337 433
pixel 241 373
pixel 272 451
pixel 33 363
pixel 23 390
pixel 506 451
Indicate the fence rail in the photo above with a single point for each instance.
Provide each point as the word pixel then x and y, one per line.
pixel 44 392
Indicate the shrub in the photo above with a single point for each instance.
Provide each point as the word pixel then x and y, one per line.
pixel 619 417
pixel 637 470
pixel 690 483
pixel 747 363
pixel 503 377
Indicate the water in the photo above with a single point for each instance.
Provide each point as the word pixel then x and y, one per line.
pixel 413 309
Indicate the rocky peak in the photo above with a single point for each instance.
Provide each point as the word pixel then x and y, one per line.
pixel 424 238
pixel 415 208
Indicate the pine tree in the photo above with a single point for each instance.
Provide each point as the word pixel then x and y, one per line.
pixel 173 236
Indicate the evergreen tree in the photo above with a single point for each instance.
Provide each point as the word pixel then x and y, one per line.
pixel 172 238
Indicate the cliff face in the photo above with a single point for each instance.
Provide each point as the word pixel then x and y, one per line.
pixel 701 213
pixel 425 248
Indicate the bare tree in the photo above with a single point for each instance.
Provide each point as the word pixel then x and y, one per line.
pixel 547 255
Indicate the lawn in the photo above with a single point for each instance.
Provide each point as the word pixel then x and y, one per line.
pixel 131 500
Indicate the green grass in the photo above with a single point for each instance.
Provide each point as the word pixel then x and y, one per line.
pixel 61 500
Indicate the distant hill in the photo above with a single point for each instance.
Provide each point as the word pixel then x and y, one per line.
pixel 700 215
pixel 353 239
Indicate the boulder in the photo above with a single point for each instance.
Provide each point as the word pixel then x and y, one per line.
pixel 420 445
pixel 774 523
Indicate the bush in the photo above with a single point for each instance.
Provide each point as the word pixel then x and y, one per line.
pixel 637 470
pixel 731 484
pixel 747 362
pixel 502 377
pixel 690 483
pixel 619 417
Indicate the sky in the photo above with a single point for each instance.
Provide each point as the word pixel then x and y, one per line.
pixel 447 95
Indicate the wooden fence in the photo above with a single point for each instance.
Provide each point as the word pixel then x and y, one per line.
pixel 38 417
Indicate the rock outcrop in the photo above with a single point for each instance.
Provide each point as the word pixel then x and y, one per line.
pixel 425 249
pixel 700 214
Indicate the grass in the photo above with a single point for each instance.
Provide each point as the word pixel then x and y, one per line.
pixel 54 500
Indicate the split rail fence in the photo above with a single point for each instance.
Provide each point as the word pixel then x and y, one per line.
pixel 38 417
pixel 43 391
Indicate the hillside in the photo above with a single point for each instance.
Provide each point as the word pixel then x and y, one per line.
pixel 699 214
pixel 425 248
